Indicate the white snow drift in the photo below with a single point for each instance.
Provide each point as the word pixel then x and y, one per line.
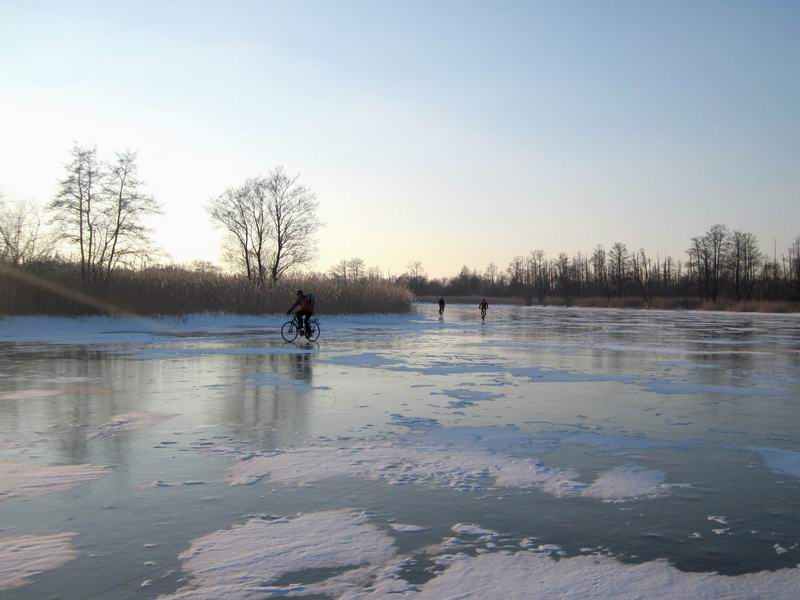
pixel 243 561
pixel 26 480
pixel 22 557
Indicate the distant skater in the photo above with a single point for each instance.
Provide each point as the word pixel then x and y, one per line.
pixel 441 308
pixel 484 306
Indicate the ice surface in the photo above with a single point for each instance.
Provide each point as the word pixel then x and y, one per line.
pixel 26 480
pixel 243 561
pixel 30 394
pixel 22 557
pixel 628 482
pixel 511 437
pixel 365 359
pixel 574 391
pixel 129 422
pixel 466 397
pixel 780 460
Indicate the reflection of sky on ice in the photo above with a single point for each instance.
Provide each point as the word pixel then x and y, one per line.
pixel 430 447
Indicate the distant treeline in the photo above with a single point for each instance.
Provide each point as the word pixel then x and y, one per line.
pixel 721 267
pixel 95 253
pixel 56 288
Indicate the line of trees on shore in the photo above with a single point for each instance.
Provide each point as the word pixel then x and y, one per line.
pixel 721 264
pixel 91 251
pixel 92 248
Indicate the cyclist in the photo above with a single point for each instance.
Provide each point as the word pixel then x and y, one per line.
pixel 484 306
pixel 305 308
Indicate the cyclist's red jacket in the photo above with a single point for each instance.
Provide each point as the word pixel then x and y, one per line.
pixel 305 305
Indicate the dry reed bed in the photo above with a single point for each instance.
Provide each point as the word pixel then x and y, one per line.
pixel 53 288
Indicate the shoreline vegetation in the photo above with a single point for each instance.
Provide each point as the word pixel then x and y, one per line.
pixel 632 302
pixel 52 288
pixel 96 256
pixel 55 288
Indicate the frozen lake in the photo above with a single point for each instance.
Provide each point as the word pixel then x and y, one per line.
pixel 545 453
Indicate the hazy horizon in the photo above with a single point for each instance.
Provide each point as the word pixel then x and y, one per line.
pixel 453 134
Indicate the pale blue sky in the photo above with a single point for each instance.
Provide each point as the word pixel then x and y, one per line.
pixel 449 132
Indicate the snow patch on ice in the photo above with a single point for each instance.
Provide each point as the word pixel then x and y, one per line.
pixel 398 464
pixel 129 422
pixel 628 482
pixel 470 529
pixel 242 562
pixel 780 460
pixel 597 577
pixel 26 480
pixel 32 394
pixel 405 528
pixel 22 557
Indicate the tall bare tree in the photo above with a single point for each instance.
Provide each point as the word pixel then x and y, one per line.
pixel 600 269
pixel 291 209
pixel 231 211
pixel 356 266
pixel 125 234
pixel 99 210
pixel 415 270
pixel 21 239
pixel 77 207
pixel 618 261
pixel 271 222
pixel 717 242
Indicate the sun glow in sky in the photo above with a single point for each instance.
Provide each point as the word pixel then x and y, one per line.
pixel 455 133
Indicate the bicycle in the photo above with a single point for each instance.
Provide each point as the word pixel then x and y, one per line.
pixel 291 329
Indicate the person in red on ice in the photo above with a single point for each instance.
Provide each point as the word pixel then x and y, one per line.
pixel 305 305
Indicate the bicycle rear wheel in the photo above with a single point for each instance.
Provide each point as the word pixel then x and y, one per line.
pixel 313 334
pixel 289 331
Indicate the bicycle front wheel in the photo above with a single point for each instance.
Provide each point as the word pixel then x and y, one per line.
pixel 313 334
pixel 289 331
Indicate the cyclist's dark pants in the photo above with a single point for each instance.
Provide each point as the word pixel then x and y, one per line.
pixel 303 318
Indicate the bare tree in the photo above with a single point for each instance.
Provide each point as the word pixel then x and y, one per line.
pixel 21 240
pixel 339 271
pixel 99 209
pixel 618 261
pixel 125 235
pixel 794 267
pixel 516 273
pixel 743 259
pixel 415 270
pixel 77 207
pixel 717 243
pixel 356 266
pixel 491 273
pixel 600 269
pixel 291 209
pixel 231 211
